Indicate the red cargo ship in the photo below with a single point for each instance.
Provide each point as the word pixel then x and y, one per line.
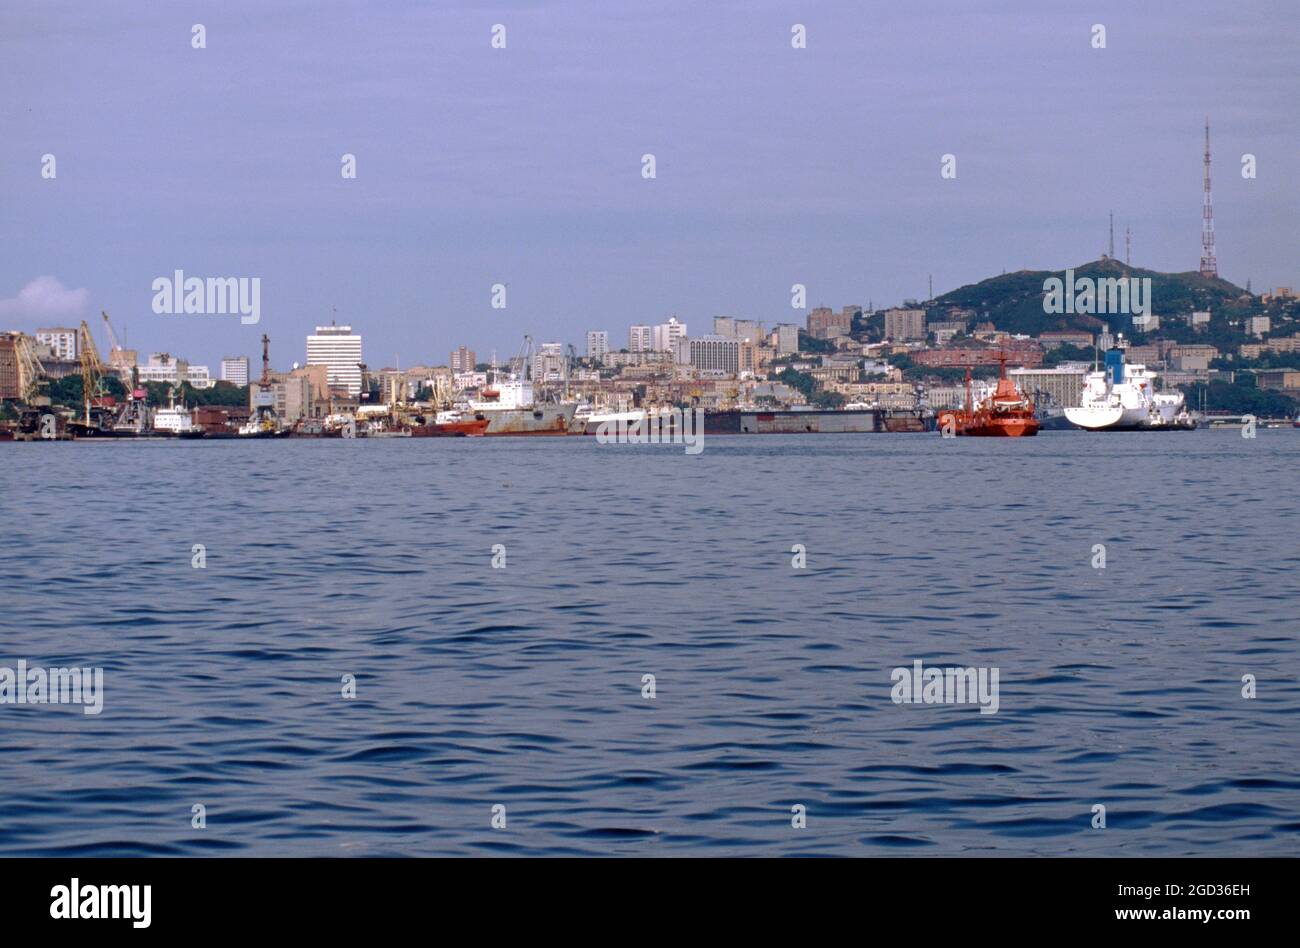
pixel 1007 413
pixel 468 428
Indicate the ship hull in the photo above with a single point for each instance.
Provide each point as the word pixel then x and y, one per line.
pixel 984 424
pixel 475 428
pixel 739 421
pixel 1001 429
pixel 540 420
pixel 1114 418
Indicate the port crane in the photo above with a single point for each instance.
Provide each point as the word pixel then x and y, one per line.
pixel 92 369
pixel 30 369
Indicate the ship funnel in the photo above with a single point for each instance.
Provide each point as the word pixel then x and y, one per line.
pixel 1115 366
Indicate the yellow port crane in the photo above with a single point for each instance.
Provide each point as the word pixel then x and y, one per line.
pixel 30 369
pixel 92 369
pixel 116 360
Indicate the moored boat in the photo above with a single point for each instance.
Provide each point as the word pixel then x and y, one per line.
pixel 1123 397
pixel 1006 413
pixel 509 408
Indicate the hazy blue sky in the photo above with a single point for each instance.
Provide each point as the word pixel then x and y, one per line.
pixel 522 166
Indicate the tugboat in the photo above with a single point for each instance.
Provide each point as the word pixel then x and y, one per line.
pixel 1007 413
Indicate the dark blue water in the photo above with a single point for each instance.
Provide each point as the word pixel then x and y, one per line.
pixel 522 686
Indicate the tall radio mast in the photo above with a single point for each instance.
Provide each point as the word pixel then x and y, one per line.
pixel 1209 263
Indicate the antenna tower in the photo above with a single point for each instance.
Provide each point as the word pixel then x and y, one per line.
pixel 1209 263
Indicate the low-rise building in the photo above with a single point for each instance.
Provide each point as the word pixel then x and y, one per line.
pixel 1253 350
pixel 945 329
pixel 1017 353
pixel 1050 340
pixel 1061 387
pixel 1286 380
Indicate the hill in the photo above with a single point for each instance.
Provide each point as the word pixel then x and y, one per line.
pixel 1014 301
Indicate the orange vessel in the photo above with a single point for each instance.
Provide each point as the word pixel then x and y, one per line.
pixel 473 428
pixel 1005 414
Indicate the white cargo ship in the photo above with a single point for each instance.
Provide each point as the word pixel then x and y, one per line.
pixel 1123 397
pixel 509 408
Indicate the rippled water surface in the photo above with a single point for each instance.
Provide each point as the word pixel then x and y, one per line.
pixel 522 686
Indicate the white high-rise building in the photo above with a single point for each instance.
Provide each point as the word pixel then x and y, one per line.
pixel 164 367
pixel 666 335
pixel 234 369
pixel 62 341
pixel 339 350
pixel 597 344
pixel 639 339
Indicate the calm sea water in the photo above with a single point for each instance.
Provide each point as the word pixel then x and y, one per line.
pixel 522 686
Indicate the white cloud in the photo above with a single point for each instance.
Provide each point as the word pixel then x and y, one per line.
pixel 44 301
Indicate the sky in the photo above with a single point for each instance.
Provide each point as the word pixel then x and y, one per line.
pixel 523 166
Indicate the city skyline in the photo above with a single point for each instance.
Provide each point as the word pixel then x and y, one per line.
pixel 825 172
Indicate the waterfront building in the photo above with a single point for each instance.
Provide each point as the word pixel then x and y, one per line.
pixel 290 394
pixel 1061 387
pixel 166 368
pixel 339 350
pixel 954 396
pixel 234 369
